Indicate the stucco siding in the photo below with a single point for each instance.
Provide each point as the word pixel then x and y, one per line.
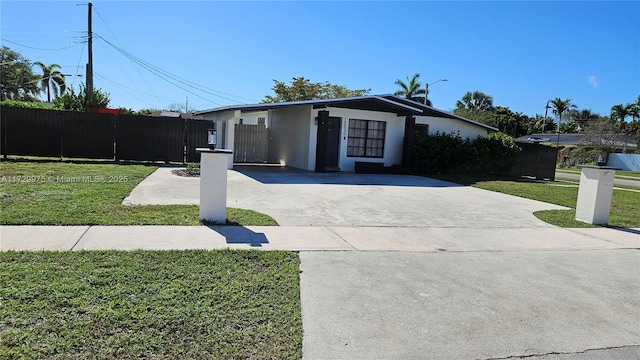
pixel 289 136
pixel 394 136
pixel 251 118
pixel 444 125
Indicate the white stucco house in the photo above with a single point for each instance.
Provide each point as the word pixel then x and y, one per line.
pixel 334 134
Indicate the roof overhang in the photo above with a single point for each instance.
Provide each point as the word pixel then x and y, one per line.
pixel 383 103
pixel 431 111
pixel 371 103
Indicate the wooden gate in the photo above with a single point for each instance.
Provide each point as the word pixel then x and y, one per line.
pixel 251 143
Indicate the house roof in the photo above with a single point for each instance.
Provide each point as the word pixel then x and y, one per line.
pixel 369 102
pixel 384 103
pixel 431 111
pixel 175 114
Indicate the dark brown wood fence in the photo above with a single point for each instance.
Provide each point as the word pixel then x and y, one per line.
pixel 251 143
pixel 50 133
pixel 537 161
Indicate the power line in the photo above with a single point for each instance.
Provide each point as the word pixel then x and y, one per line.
pixel 116 39
pixel 151 69
pixel 163 74
pixel 37 48
pixel 127 87
pixel 78 67
pixel 133 95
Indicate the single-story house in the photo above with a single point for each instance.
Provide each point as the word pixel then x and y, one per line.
pixel 334 134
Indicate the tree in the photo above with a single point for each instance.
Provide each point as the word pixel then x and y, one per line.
pixel 599 132
pixel 475 101
pixel 17 81
pixel 411 90
pixel 51 78
pixel 303 89
pixel 635 109
pixel 543 124
pixel 582 118
pixel 560 107
pixel 619 113
pixel 79 102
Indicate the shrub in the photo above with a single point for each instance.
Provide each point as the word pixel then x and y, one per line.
pixel 193 169
pixel 440 153
pixel 24 104
pixel 580 155
pixel 495 154
pixel 449 153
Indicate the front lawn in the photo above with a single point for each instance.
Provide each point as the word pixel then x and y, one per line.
pixel 150 304
pixel 625 205
pixel 35 193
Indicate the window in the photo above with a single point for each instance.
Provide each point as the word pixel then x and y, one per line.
pixel 261 121
pixel 366 138
pixel 422 129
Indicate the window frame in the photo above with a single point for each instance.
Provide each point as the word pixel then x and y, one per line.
pixel 368 141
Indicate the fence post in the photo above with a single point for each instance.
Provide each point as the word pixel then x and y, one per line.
pixel 3 131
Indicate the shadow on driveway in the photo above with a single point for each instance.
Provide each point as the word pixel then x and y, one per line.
pixel 276 174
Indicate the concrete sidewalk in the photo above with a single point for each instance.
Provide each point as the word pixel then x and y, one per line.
pixel 426 293
pixel 332 238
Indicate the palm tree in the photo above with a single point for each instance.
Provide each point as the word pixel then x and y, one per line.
pixel 620 112
pixel 584 117
pixel 51 78
pixel 411 89
pixel 559 107
pixel 635 109
pixel 475 101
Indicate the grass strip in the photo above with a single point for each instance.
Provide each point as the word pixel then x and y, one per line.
pixel 619 173
pixel 37 193
pixel 224 304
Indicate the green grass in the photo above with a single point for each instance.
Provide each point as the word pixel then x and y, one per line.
pixel 619 173
pixel 37 193
pixel 576 182
pixel 625 205
pixel 224 304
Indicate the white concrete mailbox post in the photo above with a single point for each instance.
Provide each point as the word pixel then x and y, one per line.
pixel 213 184
pixel 594 194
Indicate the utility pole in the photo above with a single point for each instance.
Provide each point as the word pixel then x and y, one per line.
pixel 426 90
pixel 90 60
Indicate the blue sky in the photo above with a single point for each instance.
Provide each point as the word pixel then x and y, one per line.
pixel 521 53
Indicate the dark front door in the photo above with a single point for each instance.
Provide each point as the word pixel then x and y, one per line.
pixel 333 144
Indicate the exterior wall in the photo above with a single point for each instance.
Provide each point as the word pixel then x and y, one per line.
pixel 289 139
pixel 394 137
pixel 444 125
pixel 293 133
pixel 225 126
pixel 251 118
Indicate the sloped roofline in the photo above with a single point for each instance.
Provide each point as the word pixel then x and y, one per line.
pixel 431 111
pixel 392 106
pixel 391 103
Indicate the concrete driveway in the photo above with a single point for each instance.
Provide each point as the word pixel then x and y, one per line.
pixel 302 198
